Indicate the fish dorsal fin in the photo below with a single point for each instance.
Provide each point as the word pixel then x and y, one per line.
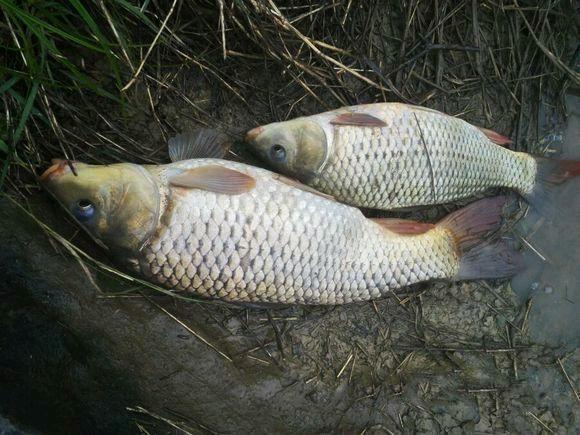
pixel 358 119
pixel 403 226
pixel 214 178
pixel 298 185
pixel 198 144
pixel 496 138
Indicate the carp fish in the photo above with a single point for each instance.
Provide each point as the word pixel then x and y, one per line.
pixel 223 229
pixel 391 155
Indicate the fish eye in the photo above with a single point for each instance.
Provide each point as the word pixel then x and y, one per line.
pixel 83 209
pixel 278 153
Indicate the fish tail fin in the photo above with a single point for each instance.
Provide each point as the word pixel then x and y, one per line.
pixel 550 173
pixel 479 258
pixel 490 260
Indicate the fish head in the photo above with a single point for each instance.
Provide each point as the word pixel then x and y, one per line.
pixel 118 205
pixel 297 147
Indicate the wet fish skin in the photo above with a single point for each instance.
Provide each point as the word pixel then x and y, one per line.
pixel 274 242
pixel 399 156
pixel 280 244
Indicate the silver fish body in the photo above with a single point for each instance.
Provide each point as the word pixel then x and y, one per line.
pixel 405 156
pixel 222 229
pixel 281 244
pixel 420 157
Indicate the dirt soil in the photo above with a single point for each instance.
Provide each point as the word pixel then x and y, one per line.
pixel 438 358
pixel 441 357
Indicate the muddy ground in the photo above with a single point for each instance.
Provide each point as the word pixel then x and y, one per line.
pixel 442 357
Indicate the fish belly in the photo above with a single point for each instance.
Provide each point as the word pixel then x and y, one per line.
pixel 282 245
pixel 419 158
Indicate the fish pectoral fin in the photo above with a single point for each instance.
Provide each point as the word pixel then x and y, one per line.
pixel 198 144
pixel 496 138
pixel 298 185
pixel 358 119
pixel 403 226
pixel 214 178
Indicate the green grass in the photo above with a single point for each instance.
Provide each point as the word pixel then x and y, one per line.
pixel 25 114
pixel 38 39
pixel 66 63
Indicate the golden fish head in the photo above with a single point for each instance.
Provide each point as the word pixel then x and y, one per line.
pixel 117 204
pixel 297 147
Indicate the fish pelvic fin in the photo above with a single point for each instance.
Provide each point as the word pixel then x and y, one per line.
pixel 496 138
pixel 403 226
pixel 478 257
pixel 358 119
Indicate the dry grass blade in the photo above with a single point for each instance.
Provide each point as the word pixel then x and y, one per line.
pixel 340 372
pixel 568 379
pixel 534 250
pixel 574 76
pixel 222 26
pixel 531 414
pixel 188 328
pixel 431 172
pixel 179 427
pixel 150 49
pixel 84 267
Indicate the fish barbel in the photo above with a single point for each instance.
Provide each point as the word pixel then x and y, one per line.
pixel 392 155
pixel 222 229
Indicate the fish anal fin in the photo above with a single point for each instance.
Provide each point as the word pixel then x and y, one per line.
pixel 403 226
pixel 214 178
pixel 358 119
pixel 480 258
pixel 495 137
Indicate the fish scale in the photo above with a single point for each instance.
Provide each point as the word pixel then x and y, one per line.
pixel 227 230
pixel 283 245
pixel 420 157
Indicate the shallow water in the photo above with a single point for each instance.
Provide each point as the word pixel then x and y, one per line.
pixel 553 282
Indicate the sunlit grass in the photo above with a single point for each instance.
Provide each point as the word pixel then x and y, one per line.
pixel 46 46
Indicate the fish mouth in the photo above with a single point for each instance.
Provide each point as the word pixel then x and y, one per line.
pixel 59 167
pixel 254 133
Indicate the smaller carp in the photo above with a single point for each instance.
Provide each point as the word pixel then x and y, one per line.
pixel 392 155
pixel 222 229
